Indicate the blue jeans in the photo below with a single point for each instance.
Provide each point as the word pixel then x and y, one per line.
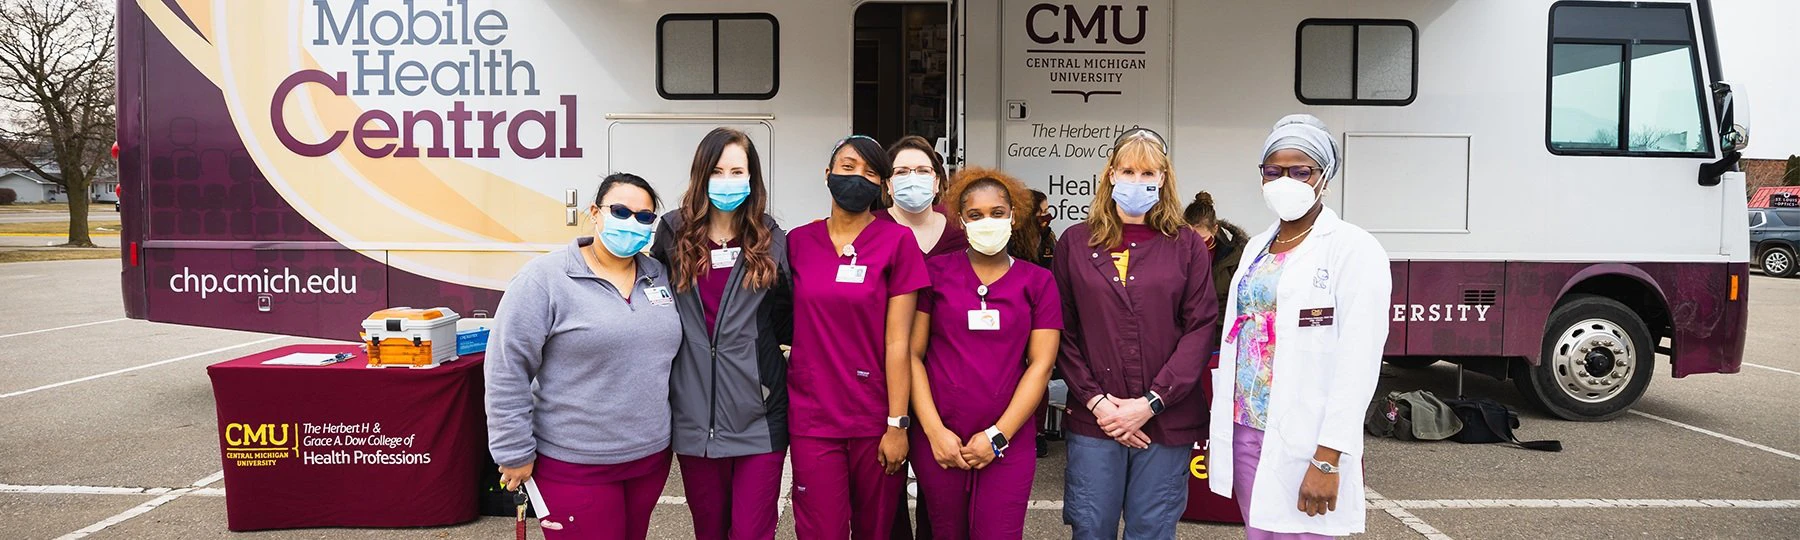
pixel 1105 479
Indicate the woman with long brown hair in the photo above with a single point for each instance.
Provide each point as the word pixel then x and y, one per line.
pixel 728 264
pixel 1140 318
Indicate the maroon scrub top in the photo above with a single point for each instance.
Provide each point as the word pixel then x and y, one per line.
pixel 837 379
pixel 953 240
pixel 974 373
pixel 712 285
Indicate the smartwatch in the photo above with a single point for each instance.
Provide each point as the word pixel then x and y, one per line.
pixel 1156 402
pixel 998 440
pixel 903 422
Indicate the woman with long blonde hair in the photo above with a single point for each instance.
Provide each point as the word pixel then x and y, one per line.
pixel 1139 318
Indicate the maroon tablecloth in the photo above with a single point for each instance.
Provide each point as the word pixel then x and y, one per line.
pixel 348 446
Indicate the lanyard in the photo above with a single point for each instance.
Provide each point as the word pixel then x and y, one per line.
pixel 982 290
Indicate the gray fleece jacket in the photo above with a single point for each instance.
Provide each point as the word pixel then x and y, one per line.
pixel 575 372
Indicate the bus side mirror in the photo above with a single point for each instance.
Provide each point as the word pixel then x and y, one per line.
pixel 1734 133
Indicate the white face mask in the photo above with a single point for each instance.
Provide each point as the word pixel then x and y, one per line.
pixel 1289 198
pixel 913 192
pixel 989 235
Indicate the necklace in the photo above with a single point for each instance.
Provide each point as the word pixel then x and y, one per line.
pixel 1294 238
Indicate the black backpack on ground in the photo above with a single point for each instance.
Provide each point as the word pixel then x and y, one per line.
pixel 1487 421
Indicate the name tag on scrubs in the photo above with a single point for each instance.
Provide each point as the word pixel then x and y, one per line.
pixel 984 319
pixel 725 257
pixel 659 296
pixel 851 273
pixel 1316 317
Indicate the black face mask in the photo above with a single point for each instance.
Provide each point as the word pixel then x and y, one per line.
pixel 852 193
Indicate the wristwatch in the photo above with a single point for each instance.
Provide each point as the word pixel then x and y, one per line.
pixel 1324 467
pixel 1156 402
pixel 998 440
pixel 902 422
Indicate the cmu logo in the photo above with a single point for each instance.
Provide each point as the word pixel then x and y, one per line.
pixel 1095 27
pixel 258 435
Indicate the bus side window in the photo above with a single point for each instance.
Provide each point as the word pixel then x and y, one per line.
pixel 1357 62
pixel 1625 80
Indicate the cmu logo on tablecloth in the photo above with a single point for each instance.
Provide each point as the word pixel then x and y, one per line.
pixel 260 445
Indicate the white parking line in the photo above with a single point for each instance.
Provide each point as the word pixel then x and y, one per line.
pixel 1789 372
pixel 1478 504
pixel 65 327
pixel 1704 431
pixel 214 477
pixel 135 368
pixel 82 490
pixel 1406 518
pixel 134 511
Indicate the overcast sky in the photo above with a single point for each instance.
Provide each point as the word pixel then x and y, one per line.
pixel 1759 46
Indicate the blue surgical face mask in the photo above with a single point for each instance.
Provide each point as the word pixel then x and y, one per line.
pixel 727 192
pixel 1135 199
pixel 913 192
pixel 624 237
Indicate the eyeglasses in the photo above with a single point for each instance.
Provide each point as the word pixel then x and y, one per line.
pixel 1142 133
pixel 904 171
pixel 1297 172
pixel 620 211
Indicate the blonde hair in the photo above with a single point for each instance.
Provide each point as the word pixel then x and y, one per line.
pixel 1105 228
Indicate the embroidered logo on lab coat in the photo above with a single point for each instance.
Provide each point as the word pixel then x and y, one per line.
pixel 1321 278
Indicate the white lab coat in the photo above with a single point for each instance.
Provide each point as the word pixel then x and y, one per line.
pixel 1324 376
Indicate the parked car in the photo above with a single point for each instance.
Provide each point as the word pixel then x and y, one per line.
pixel 1774 238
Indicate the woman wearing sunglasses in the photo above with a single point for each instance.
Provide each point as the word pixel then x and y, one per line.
pixel 913 190
pixel 1299 363
pixel 1140 317
pixel 578 373
pixel 728 386
pixel 974 397
pixel 855 283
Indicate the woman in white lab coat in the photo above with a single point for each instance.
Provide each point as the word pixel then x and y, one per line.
pixel 1307 321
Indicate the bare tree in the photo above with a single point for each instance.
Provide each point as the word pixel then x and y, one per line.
pixel 57 73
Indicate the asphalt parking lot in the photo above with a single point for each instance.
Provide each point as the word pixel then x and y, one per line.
pixel 107 430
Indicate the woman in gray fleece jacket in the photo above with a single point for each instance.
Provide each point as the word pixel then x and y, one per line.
pixel 578 373
pixel 729 268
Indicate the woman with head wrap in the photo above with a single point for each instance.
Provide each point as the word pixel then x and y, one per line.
pixel 1300 358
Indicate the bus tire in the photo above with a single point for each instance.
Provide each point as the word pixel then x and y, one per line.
pixel 1778 261
pixel 1597 360
pixel 1411 362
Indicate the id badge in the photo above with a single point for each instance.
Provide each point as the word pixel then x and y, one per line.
pixel 1316 317
pixel 725 257
pixel 851 273
pixel 984 319
pixel 659 296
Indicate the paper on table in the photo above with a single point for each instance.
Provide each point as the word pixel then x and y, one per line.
pixel 302 359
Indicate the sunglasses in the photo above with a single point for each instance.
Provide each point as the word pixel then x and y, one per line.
pixel 1297 172
pixel 620 211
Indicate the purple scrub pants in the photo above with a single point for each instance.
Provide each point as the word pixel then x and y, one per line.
pixel 983 504
pixel 840 489
pixel 733 498
pixel 600 502
pixel 1246 451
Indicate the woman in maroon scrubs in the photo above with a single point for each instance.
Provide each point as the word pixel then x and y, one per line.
pixel 913 189
pixel 1141 321
pixel 855 283
pixel 974 397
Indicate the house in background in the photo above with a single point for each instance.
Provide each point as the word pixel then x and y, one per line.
pixel 30 187
pixel 34 188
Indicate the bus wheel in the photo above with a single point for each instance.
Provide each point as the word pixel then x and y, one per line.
pixel 1596 362
pixel 1411 362
pixel 1778 262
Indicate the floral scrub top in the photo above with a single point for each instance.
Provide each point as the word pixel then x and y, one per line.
pixel 1254 334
